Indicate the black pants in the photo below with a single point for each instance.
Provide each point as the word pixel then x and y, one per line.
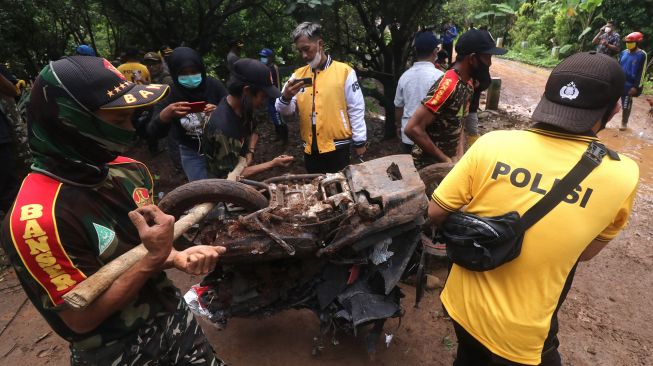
pixel 449 49
pixel 331 162
pixel 472 353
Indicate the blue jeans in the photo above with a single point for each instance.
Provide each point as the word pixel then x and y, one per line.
pixel 193 163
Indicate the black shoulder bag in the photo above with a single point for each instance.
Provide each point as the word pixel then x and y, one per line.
pixel 484 243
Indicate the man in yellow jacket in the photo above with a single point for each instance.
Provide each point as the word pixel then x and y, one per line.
pixel 330 103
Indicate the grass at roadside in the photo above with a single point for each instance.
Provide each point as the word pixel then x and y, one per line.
pixel 537 56
pixel 648 87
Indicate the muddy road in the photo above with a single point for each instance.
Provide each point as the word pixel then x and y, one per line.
pixel 605 321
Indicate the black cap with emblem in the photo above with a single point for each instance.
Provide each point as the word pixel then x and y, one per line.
pixel 95 84
pixel 579 91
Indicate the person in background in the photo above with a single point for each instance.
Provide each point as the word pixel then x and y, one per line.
pixel 441 61
pixel 607 40
pixel 230 133
pixel 470 122
pixel 449 34
pixel 507 316
pixel 9 181
pixel 190 84
pixel 85 50
pixel 165 51
pixel 133 69
pixel 331 106
pixel 415 83
pixel 158 73
pixel 235 48
pixel 436 126
pixel 280 127
pixel 633 62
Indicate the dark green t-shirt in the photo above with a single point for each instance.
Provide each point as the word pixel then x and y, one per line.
pixel 225 139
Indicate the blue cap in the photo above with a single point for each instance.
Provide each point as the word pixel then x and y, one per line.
pixel 85 50
pixel 426 41
pixel 266 52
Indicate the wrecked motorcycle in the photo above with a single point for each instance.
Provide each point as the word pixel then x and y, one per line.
pixel 336 244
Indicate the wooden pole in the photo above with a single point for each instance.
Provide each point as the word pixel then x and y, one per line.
pixel 88 290
pixel 493 94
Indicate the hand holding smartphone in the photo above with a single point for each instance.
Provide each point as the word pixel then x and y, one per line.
pixel 306 81
pixel 197 107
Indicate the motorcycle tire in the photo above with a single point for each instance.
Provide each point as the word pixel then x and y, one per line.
pixel 188 195
pixel 433 174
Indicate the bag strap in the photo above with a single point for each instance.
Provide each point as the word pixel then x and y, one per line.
pixel 591 158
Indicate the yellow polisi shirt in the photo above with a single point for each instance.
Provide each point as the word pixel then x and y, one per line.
pixel 510 309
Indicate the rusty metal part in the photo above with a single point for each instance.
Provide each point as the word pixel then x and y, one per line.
pixel 277 239
pixel 335 189
pixel 254 183
pixel 290 177
pixel 399 192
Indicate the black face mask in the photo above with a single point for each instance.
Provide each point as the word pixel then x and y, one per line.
pixel 481 73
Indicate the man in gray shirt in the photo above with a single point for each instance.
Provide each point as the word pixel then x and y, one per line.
pixel 414 84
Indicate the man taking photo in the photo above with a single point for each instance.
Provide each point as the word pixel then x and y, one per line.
pixel 330 103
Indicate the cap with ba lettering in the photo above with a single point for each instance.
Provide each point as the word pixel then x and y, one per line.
pixel 579 91
pixel 94 83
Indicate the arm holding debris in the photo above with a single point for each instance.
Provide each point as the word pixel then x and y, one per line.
pixel 157 239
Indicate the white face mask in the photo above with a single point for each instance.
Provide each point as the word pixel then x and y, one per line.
pixel 607 29
pixel 315 62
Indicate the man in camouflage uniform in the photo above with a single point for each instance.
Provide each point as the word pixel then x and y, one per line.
pixel 82 206
pixel 436 127
pixel 230 133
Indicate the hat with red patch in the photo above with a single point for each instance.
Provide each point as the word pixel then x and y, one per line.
pixel 95 84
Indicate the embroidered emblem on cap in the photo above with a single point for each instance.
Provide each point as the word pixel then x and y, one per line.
pixel 107 65
pixel 569 91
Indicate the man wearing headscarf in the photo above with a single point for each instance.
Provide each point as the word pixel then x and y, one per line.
pixel 191 84
pixel 82 206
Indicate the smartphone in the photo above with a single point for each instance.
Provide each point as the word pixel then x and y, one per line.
pixel 197 107
pixel 306 81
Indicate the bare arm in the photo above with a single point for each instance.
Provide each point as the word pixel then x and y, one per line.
pixel 282 160
pixel 416 131
pixel 437 214
pixel 399 113
pixel 592 250
pixel 460 149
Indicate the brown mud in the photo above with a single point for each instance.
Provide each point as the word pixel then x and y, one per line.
pixel 605 321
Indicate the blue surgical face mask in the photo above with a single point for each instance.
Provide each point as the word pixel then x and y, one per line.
pixel 264 60
pixel 190 81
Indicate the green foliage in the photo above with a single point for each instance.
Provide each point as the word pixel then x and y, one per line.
pixel 534 24
pixel 536 55
pixel 648 87
pixel 567 23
